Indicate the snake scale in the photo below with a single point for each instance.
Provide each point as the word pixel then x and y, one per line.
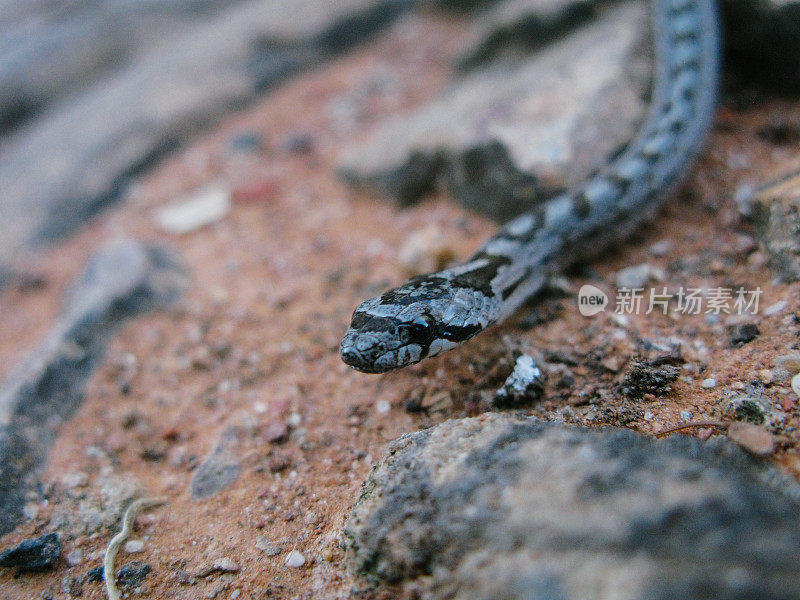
pixel 433 313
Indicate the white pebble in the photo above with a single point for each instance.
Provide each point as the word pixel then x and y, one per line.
pixel 796 384
pixel 134 546
pixel 709 383
pixel 226 565
pixel 383 406
pixel 202 207
pixel 30 511
pixel 295 559
pixel 74 558
pixel 776 308
pixel 638 276
pixel 661 248
pixel 686 415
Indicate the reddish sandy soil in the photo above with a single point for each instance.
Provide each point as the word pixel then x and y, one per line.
pixel 253 343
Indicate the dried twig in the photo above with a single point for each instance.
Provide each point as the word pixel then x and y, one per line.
pixel 113 546
pixel 717 424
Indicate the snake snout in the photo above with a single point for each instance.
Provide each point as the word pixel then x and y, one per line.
pixel 359 351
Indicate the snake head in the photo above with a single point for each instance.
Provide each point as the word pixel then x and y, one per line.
pixel 423 318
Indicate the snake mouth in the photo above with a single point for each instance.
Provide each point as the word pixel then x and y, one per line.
pixel 353 358
pixel 361 352
pixel 371 352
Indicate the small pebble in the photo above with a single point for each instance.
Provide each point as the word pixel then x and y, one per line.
pixel 661 248
pixel 742 333
pixel 276 431
pixel 524 386
pixel 226 565
pixel 298 142
pixel 30 511
pixel 638 276
pixel 796 384
pixel 786 366
pixel 748 408
pixel 267 546
pixel 709 383
pixel 74 558
pixel 246 141
pixel 776 309
pixel 686 415
pixel 752 438
pixel 295 559
pixel 743 197
pixel 200 208
pixel 383 406
pixel 132 574
pixel 74 480
pixel 134 546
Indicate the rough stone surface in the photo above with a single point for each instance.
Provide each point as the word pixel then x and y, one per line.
pixel 777 218
pixel 41 61
pixel 120 281
pixel 511 507
pixel 33 555
pixel 512 28
pixel 96 509
pixel 77 156
pixel 219 469
pixel 517 131
pixel 647 378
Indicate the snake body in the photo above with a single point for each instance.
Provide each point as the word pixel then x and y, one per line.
pixel 433 313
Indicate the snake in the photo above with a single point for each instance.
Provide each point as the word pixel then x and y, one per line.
pixel 431 314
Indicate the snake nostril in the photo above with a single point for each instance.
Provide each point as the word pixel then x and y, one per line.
pixel 351 356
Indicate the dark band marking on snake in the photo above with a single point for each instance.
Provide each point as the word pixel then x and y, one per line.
pixel 431 314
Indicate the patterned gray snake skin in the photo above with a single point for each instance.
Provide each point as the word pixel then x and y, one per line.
pixel 433 313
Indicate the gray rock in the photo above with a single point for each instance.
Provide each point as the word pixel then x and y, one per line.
pixel 510 507
pixel 643 377
pixel 120 281
pixel 219 469
pixel 512 28
pixel 132 574
pixel 78 155
pixel 524 386
pixel 776 212
pixel 751 408
pixel 33 555
pixel 41 62
pixel 517 131
pixel 740 334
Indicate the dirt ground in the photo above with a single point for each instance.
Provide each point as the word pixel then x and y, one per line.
pixel 253 343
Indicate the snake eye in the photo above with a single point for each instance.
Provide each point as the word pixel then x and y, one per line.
pixel 421 330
